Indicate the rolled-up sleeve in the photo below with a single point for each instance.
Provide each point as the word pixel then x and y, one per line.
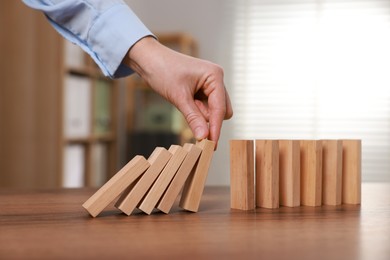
pixel 106 30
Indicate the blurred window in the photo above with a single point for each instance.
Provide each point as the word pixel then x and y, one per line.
pixel 315 69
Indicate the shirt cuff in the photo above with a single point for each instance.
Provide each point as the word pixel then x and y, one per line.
pixel 111 36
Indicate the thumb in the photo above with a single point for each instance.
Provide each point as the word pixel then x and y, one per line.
pixel 195 119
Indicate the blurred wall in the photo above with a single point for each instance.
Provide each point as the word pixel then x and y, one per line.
pixel 210 23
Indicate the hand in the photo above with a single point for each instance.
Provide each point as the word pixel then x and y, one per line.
pixel 193 85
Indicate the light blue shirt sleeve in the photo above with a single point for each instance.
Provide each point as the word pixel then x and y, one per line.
pixel 105 29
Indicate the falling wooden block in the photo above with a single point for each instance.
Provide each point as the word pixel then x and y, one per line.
pixel 180 178
pixel 352 154
pixel 242 183
pixel 116 185
pixel 193 188
pixel 267 173
pixel 331 172
pixel 133 195
pixel 157 190
pixel 289 173
pixel 311 172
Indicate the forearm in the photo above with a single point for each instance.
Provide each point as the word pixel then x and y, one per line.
pixel 106 30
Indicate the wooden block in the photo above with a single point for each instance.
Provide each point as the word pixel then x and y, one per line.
pixel 193 189
pixel 352 164
pixel 332 151
pixel 267 173
pixel 242 176
pixel 311 172
pixel 289 173
pixel 180 178
pixel 157 190
pixel 116 185
pixel 133 195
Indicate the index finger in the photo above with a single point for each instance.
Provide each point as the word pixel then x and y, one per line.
pixel 218 106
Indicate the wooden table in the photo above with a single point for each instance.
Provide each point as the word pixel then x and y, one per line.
pixel 53 225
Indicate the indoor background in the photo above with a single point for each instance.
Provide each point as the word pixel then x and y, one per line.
pixel 294 70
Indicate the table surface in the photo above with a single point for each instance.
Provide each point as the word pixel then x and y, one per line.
pixel 53 225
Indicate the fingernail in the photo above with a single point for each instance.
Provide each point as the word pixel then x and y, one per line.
pixel 200 133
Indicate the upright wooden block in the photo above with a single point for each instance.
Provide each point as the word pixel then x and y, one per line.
pixel 311 172
pixel 331 172
pixel 267 173
pixel 133 195
pixel 193 189
pixel 180 178
pixel 289 173
pixel 116 185
pixel 352 163
pixel 242 183
pixel 157 190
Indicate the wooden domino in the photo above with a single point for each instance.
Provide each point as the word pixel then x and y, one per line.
pixel 131 197
pixel 157 190
pixel 193 188
pixel 331 172
pixel 267 173
pixel 289 173
pixel 242 184
pixel 116 185
pixel 157 182
pixel 311 172
pixel 351 191
pixel 170 195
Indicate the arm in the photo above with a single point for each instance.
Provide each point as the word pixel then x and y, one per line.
pixel 118 42
pixel 106 30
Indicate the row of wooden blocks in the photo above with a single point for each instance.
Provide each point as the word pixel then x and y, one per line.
pixel 157 181
pixel 269 173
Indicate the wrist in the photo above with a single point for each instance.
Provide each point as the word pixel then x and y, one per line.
pixel 139 57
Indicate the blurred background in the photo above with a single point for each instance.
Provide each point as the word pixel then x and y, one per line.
pixel 294 69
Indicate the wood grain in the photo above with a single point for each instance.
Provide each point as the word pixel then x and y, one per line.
pixel 155 193
pixel 116 185
pixel 352 164
pixel 267 173
pixel 193 189
pixel 332 152
pixel 173 190
pixel 51 224
pixel 311 172
pixel 133 195
pixel 289 173
pixel 242 174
